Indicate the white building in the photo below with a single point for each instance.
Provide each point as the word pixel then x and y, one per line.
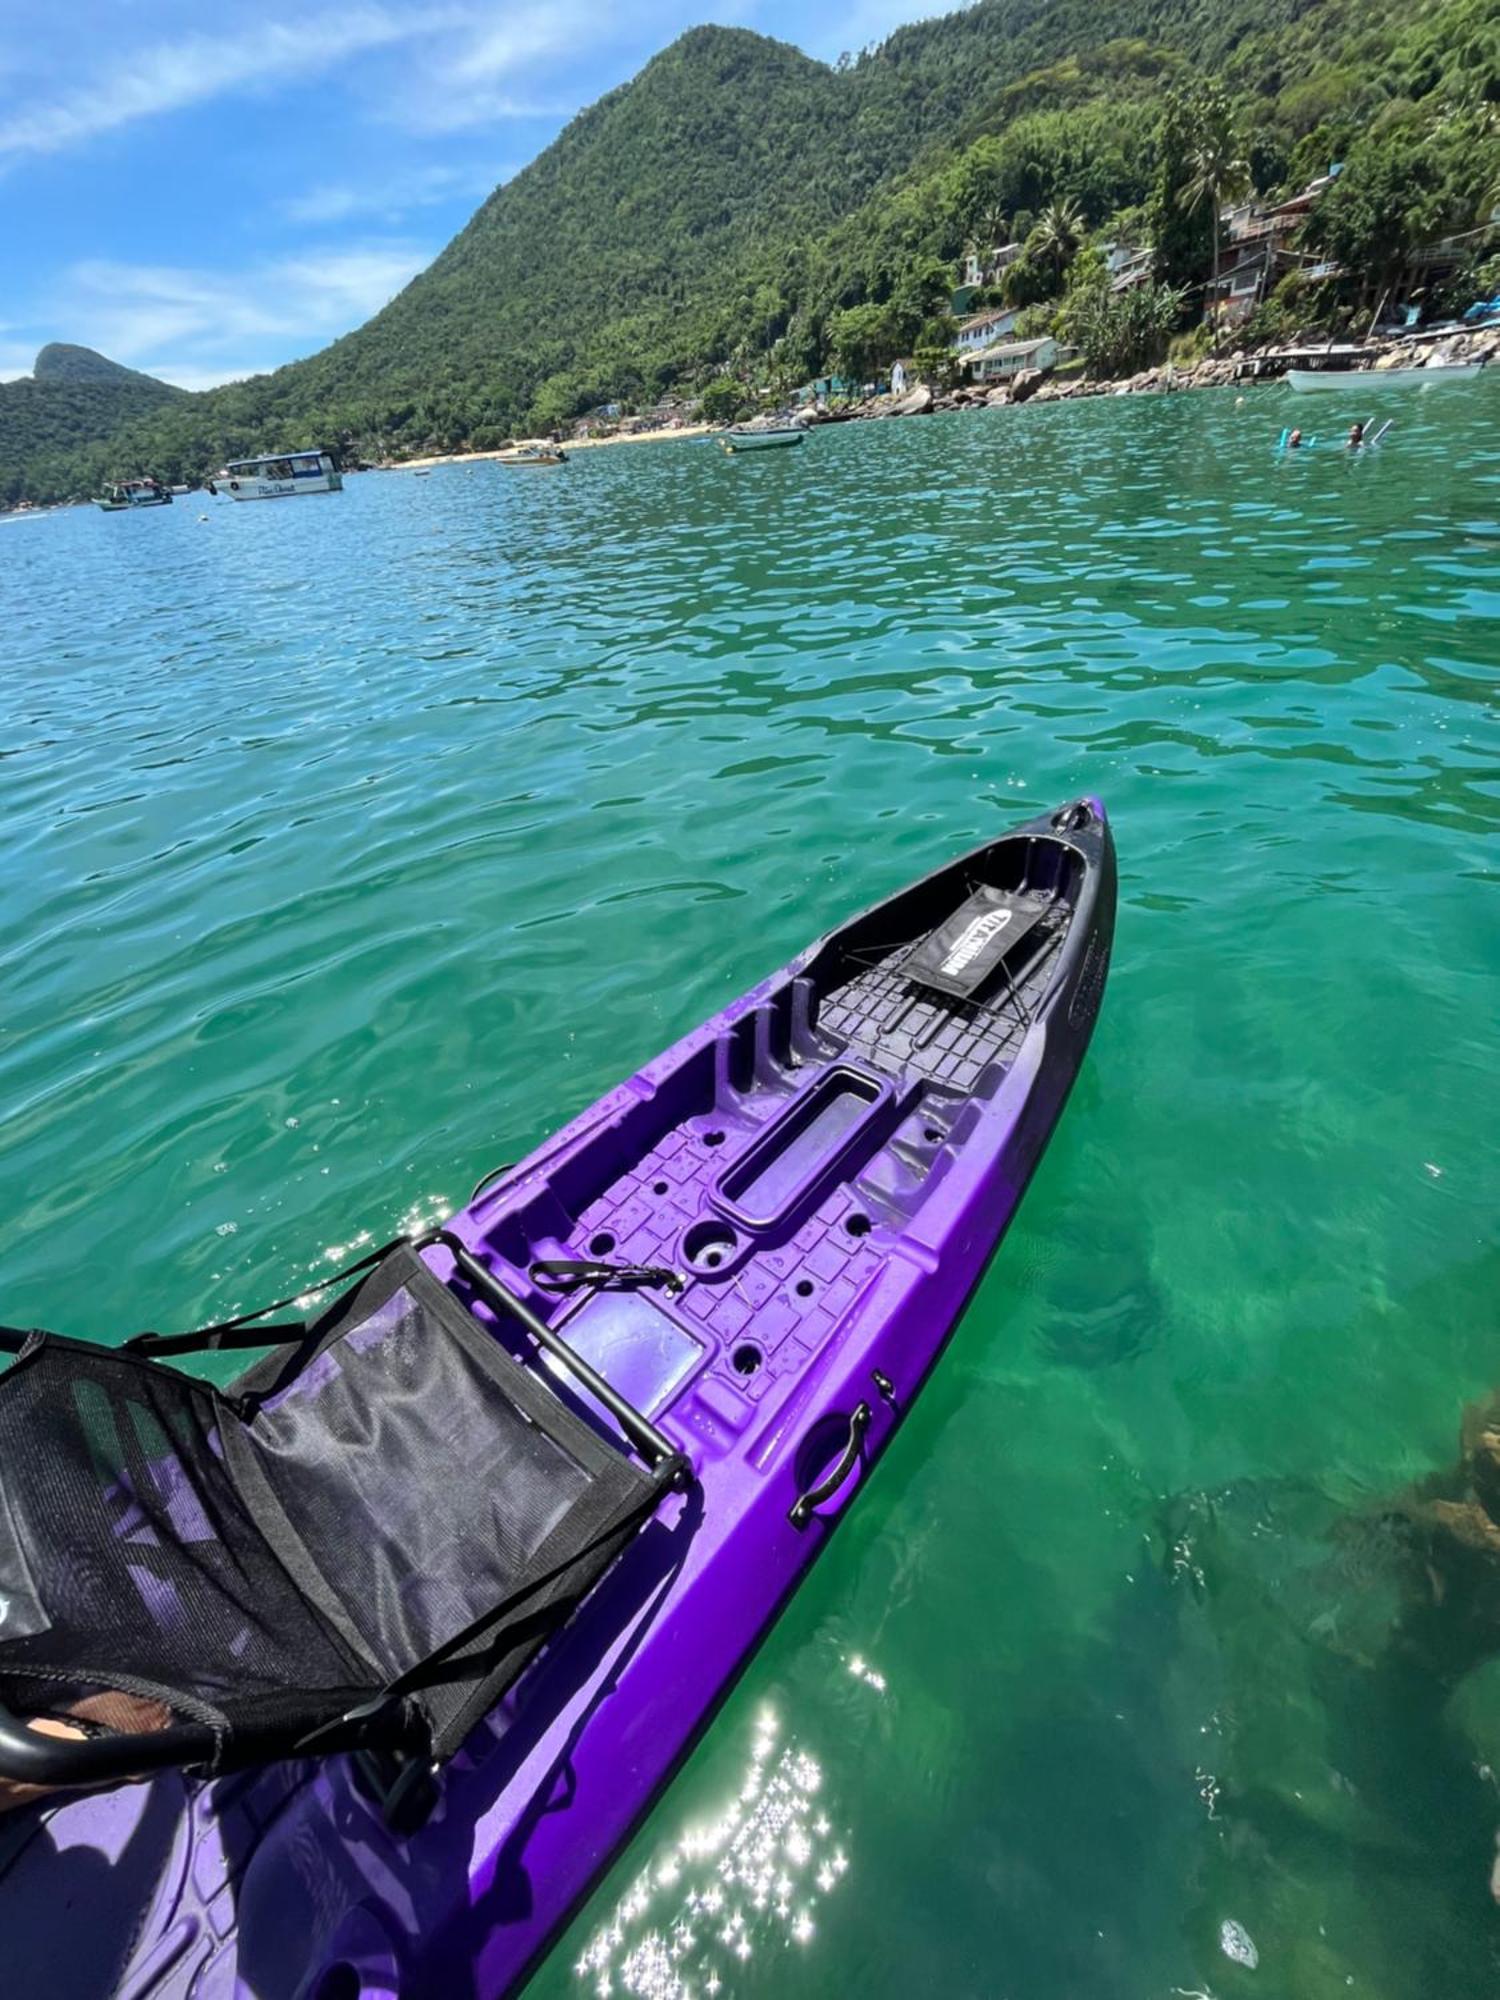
pixel 983 330
pixel 1007 359
pixel 982 267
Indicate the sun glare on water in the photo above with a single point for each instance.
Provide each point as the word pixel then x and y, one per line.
pixel 737 1889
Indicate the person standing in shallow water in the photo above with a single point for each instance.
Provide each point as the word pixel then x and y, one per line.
pixel 1356 436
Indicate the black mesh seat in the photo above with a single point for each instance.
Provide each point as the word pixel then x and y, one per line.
pixel 362 1542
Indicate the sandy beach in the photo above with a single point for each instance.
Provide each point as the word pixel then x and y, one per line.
pixel 569 446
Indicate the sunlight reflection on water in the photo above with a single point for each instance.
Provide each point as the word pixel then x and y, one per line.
pixel 745 1884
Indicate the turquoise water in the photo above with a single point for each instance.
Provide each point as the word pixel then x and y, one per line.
pixel 351 846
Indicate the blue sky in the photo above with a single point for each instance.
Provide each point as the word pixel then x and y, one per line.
pixel 206 191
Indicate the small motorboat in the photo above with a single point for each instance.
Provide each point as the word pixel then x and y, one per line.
pixel 407 1626
pixel 537 451
pixel 127 494
pixel 768 439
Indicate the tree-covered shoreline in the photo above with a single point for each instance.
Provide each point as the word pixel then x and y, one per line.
pixel 741 218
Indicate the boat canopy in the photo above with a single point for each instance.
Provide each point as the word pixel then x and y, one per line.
pixel 282 465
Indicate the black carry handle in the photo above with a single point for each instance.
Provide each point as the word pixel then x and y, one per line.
pixel 114 1757
pixel 27 1757
pixel 837 1473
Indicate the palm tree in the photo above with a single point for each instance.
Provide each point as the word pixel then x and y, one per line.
pixel 1059 232
pixel 1217 173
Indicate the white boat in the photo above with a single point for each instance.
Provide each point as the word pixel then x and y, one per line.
pixel 537 451
pixel 766 440
pixel 127 493
pixel 277 475
pixel 1303 379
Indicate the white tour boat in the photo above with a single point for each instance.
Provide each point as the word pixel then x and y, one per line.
pixel 277 475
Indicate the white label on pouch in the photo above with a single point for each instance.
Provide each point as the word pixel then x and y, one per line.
pixel 974 940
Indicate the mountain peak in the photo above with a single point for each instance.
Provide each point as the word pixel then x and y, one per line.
pixel 61 362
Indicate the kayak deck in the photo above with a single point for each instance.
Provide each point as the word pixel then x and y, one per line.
pixel 774 1166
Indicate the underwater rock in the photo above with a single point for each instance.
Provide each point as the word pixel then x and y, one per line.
pixel 1236 1942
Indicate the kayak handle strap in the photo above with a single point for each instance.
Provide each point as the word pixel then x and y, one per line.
pixel 567 1275
pixel 802 1509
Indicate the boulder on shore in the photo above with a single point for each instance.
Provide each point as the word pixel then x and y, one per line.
pixel 917 404
pixel 998 398
pixel 1025 384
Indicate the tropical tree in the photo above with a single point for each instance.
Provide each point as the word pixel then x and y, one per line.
pixel 1119 334
pixel 1059 233
pixel 861 338
pixel 1179 236
pixel 1217 171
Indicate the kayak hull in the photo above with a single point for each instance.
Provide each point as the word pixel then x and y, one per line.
pixel 830 1163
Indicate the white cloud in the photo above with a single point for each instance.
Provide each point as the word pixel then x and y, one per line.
pixel 146 82
pixel 391 200
pixel 197 328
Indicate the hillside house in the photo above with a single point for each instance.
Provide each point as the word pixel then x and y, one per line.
pixel 983 267
pixel 1259 238
pixel 1129 268
pixel 983 330
pixel 1005 360
pixel 824 387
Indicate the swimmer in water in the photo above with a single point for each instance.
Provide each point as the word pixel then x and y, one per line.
pixel 1356 436
pixel 1294 438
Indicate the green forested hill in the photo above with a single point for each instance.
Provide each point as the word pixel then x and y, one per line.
pixel 730 203
pixel 53 419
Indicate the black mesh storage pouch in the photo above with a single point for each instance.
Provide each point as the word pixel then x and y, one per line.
pixel 130 1558
pixel 389 1506
pixel 470 1487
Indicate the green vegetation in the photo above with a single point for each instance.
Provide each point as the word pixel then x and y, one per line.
pixel 51 419
pixel 740 215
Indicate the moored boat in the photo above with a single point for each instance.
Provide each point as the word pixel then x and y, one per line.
pixel 537 451
pixel 1305 379
pixel 647 1368
pixel 278 476
pixel 761 440
pixel 126 494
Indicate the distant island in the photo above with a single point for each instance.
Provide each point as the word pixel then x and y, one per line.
pixel 740 224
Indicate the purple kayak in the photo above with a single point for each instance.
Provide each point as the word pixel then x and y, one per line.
pixel 738 1266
